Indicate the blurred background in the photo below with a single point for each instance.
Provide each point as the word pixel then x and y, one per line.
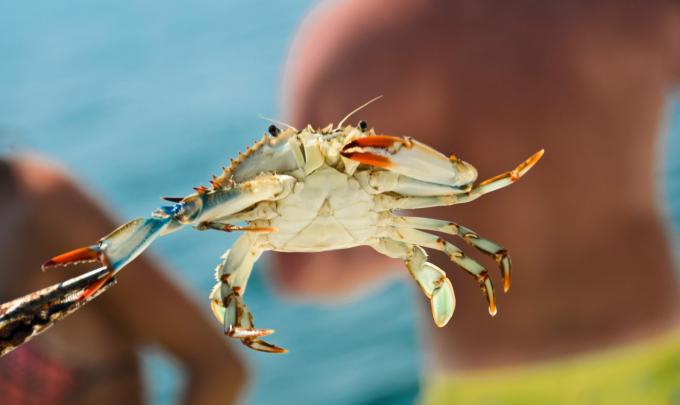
pixel 144 100
pixel 149 99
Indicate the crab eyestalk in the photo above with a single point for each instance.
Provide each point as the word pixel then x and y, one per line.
pixel 411 158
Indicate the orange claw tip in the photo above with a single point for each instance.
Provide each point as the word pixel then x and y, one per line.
pixel 370 159
pixel 536 157
pixel 375 141
pixel 93 288
pixel 492 309
pixel 532 160
pixel 506 284
pixel 81 255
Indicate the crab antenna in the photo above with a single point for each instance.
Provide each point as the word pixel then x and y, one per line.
pixel 358 109
pixel 276 122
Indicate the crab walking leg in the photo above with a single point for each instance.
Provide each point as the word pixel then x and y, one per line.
pixel 431 279
pixel 456 255
pixel 226 299
pixel 491 248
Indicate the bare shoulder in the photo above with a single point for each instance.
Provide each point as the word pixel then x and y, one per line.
pixel 38 175
pixel 339 40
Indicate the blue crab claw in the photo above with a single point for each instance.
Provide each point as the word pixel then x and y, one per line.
pixel 115 250
pixel 411 158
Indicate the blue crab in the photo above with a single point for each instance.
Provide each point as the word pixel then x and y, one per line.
pixel 318 190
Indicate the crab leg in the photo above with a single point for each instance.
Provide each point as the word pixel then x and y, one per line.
pixel 431 279
pixel 226 299
pixel 456 255
pixel 127 242
pixel 491 248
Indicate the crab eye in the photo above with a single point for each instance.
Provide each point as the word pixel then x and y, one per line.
pixel 273 130
pixel 363 125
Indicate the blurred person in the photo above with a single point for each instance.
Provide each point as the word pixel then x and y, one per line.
pixel 92 356
pixel 592 313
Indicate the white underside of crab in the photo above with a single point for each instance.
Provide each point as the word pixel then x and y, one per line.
pixel 313 191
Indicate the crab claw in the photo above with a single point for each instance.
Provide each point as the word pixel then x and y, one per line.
pixel 118 248
pixel 411 158
pixel 81 255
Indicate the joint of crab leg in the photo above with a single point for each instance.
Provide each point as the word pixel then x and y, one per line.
pixel 87 254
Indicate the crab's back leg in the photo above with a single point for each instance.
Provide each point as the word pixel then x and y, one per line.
pixel 431 279
pixel 456 255
pixel 489 247
pixel 226 299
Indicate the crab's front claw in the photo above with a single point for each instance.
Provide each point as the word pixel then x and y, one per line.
pixel 118 248
pixel 411 158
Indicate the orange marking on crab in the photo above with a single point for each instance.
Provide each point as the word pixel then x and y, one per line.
pixel 375 141
pixel 85 254
pixel 370 159
pixel 94 287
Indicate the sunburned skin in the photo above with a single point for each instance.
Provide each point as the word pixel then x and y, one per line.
pixel 588 82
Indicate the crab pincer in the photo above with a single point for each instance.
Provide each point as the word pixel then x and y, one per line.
pixel 113 251
pixel 408 157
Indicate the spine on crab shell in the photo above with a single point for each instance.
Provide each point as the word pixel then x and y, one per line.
pixel 224 180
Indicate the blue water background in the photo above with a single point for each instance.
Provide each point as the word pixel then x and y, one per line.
pixel 145 99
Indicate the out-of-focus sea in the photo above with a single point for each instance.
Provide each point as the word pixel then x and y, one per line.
pixel 145 99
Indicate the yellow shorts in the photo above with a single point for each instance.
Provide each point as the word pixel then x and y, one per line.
pixel 643 373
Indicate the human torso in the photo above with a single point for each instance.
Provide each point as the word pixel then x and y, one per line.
pixel 590 254
pixel 84 359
